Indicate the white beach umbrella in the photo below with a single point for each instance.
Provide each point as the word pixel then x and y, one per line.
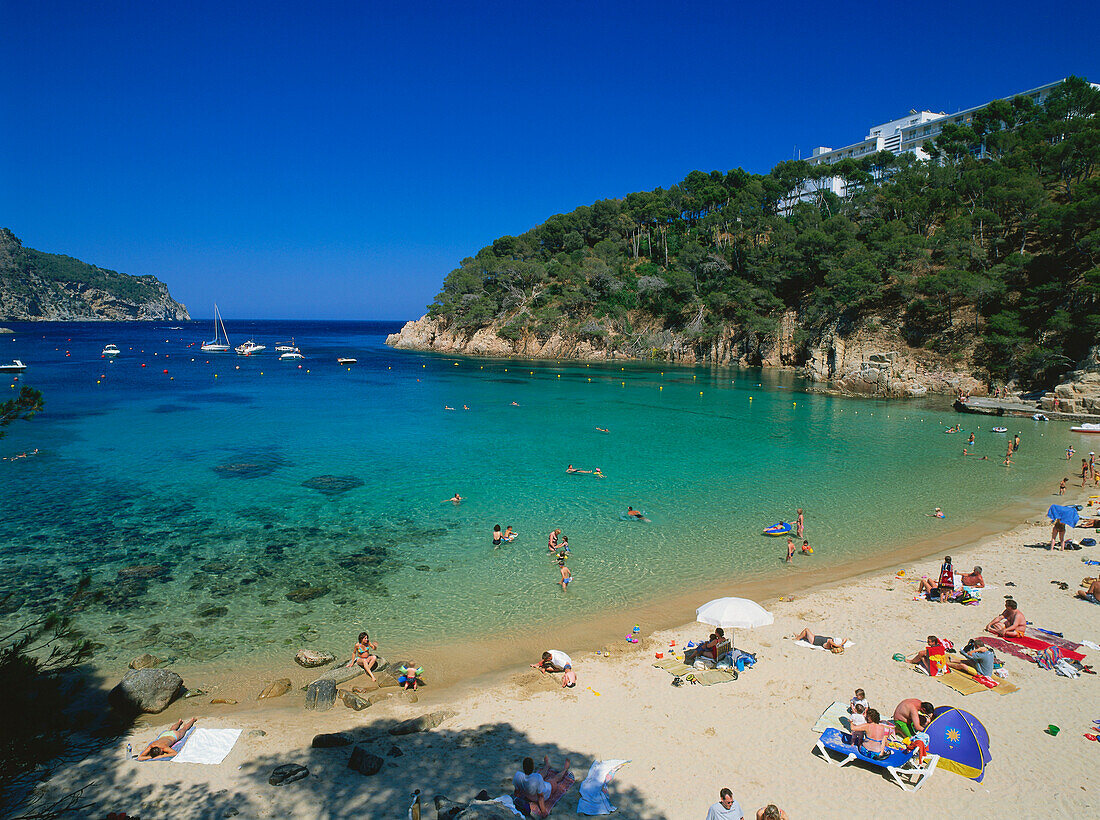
pixel 735 613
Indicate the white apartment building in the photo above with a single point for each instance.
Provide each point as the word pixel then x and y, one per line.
pixel 904 135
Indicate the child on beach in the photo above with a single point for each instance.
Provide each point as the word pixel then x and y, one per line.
pixel 859 699
pixel 1062 486
pixel 859 715
pixel 790 550
pixel 566 575
pixel 799 522
pixel 806 548
pixel 410 676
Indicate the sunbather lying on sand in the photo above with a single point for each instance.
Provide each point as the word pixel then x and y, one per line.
pixel 162 746
pixel 820 640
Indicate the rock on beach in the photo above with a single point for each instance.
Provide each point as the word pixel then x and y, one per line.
pixel 310 658
pixel 146 690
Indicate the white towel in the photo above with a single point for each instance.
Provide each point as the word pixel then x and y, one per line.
pixel 593 799
pixel 208 746
pixel 847 643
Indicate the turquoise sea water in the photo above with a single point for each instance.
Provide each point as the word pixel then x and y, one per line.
pixel 178 497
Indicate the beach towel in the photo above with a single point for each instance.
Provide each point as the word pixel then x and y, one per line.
pixel 1000 645
pixel 835 716
pixel 674 667
pixel 593 799
pixel 713 676
pixel 963 684
pixel 1053 640
pixel 1003 687
pixel 807 644
pixel 208 746
pixel 1067 515
pixel 1040 645
pixel 558 790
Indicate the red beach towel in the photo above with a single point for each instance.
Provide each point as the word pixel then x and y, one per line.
pixel 1001 645
pixel 1053 640
pixel 1035 643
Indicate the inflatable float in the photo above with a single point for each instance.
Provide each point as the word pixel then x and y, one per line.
pixel 782 528
pixel 1000 429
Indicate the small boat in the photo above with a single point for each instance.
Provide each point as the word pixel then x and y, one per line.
pixel 249 347
pixel 110 351
pixel 221 339
pixel 286 348
pixel 1040 417
pixel 1000 429
pixel 16 366
pixel 293 353
pixel 782 528
pixel 346 360
pixel 1086 428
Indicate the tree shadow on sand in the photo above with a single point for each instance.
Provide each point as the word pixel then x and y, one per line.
pixel 455 763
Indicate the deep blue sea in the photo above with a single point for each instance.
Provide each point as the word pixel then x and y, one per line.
pixel 207 506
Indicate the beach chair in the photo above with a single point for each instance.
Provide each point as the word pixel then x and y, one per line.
pixel 901 765
pixel 720 651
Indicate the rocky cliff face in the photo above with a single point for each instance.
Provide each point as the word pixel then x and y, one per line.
pixel 870 360
pixel 1080 392
pixel 37 286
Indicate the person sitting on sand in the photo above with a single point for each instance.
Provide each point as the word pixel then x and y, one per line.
pixel 1009 622
pixel 364 654
pixel 771 812
pixel 820 640
pixel 973 579
pixel 533 788
pixel 162 746
pixel 912 716
pixel 568 678
pixel 933 658
pixel 553 660
pixel 979 659
pixel 871 736
pixel 1092 594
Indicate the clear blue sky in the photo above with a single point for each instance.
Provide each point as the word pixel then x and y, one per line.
pixel 337 160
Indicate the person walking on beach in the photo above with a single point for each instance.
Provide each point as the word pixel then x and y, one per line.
pixel 1062 486
pixel 799 522
pixel 726 808
pixel 1084 472
pixel 790 549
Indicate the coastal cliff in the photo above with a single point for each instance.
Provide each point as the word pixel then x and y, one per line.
pixel 38 286
pixel 871 359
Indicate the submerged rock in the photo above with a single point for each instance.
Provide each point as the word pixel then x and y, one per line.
pixel 305 592
pixel 213 612
pixel 276 689
pixel 145 661
pixel 146 690
pixel 332 484
pixel 310 658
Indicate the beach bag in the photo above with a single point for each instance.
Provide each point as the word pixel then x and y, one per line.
pixel 1048 658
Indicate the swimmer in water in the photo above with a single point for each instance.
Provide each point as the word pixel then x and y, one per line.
pixel 635 514
pixel 447 407
pixel 806 548
pixel 603 429
pixel 965 453
pixel 515 404
pixel 597 473
pixel 938 513
pixel 971 439
pixel 572 469
pixel 454 499
pixel 465 407
pixel 509 535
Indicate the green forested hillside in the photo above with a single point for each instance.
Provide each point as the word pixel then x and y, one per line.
pixel 992 246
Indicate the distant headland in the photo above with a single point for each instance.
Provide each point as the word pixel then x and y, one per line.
pixel 47 287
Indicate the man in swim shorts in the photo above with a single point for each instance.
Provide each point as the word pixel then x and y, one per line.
pixel 912 716
pixel 1092 594
pixel 1009 622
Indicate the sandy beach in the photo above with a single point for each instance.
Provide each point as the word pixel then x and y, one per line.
pixel 684 743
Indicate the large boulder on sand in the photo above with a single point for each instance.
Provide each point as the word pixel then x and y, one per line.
pixel 476 810
pixel 310 658
pixel 146 690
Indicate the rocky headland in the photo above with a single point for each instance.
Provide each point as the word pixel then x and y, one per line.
pixel 46 287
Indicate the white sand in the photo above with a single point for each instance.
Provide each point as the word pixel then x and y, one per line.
pixel 752 735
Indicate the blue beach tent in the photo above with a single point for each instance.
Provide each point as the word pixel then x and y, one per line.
pixel 960 740
pixel 1067 515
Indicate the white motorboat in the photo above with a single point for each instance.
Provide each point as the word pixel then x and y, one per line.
pixel 110 351
pixel 293 353
pixel 286 348
pixel 16 366
pixel 346 360
pixel 249 347
pixel 1086 428
pixel 221 338
pixel 1040 417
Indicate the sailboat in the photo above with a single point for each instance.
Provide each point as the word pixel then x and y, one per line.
pixel 221 342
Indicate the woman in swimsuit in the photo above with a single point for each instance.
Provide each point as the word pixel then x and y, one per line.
pixel 364 654
pixel 162 746
pixel 799 523
pixel 870 737
pixel 553 543
pixel 820 640
pixel 497 537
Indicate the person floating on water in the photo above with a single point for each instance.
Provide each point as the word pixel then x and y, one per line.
pixel 636 515
pixel 572 469
pixel 937 513
pixel 509 534
pixel 598 473
pixel 454 499
pixel 967 453
pixel 603 429
pixel 447 407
